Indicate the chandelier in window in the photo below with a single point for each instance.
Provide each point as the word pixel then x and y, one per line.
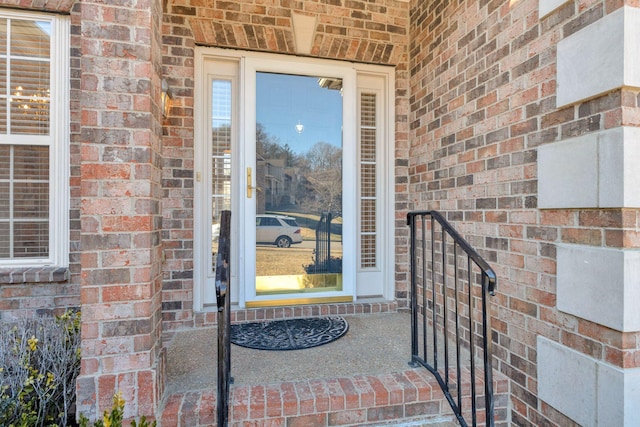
pixel 34 105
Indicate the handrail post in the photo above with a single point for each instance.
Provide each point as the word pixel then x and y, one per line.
pixel 413 290
pixel 224 319
pixel 488 351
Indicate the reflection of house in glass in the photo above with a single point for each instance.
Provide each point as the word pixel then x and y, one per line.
pixel 277 184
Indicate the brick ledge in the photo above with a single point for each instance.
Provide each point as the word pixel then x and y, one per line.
pixel 47 274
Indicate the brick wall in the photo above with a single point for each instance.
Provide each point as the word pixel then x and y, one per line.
pixel 372 32
pixel 120 206
pixel 483 98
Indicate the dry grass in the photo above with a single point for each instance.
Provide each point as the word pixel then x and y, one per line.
pixel 272 261
pixel 309 234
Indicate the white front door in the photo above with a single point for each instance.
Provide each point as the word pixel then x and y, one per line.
pixel 299 206
pixel 297 150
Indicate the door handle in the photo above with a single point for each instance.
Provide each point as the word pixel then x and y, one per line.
pixel 250 188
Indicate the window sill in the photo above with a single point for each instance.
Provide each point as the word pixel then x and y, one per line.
pixel 33 275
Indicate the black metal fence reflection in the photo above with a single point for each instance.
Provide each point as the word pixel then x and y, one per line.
pixel 323 245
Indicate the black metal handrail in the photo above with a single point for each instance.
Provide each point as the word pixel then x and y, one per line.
pixel 224 319
pixel 459 285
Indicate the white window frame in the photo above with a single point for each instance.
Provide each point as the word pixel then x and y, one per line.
pixel 379 81
pixel 57 141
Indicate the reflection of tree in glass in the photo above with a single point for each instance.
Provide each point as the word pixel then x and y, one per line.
pixel 319 171
pixel 268 146
pixel 322 171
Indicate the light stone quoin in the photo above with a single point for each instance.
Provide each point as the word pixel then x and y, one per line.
pixel 599 58
pixel 596 170
pixel 600 395
pixel 600 285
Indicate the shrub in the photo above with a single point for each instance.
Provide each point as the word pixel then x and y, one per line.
pixel 330 265
pixel 39 364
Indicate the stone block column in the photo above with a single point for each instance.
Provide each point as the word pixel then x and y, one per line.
pixel 120 215
pixel 598 267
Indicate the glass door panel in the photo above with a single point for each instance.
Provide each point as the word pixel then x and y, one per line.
pixel 299 184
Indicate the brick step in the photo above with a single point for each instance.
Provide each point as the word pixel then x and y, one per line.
pixel 411 398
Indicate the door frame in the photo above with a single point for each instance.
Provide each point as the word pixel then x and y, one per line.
pixel 245 125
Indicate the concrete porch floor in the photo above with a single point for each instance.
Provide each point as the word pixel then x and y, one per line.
pixel 363 378
pixel 373 344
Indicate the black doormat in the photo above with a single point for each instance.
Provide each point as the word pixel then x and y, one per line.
pixel 289 334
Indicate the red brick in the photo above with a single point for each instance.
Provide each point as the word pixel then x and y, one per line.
pixel 354 416
pixel 612 218
pixel 381 393
pixel 239 407
pixel 423 408
pixel 147 397
pixel 337 397
pixel 352 398
pixel 170 411
pixel 133 292
pixel 582 236
pixel 305 398
pixel 384 413
pixel 188 409
pixel 584 345
pixel 367 395
pixel 274 401
pixel 289 399
pixel 89 366
pixel 257 402
pixel 105 392
pixel 409 391
pixel 315 420
pixel 207 411
pixel 127 223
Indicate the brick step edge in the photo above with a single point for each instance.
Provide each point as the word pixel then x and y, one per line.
pixel 413 396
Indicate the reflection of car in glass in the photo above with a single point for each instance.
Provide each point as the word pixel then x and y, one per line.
pixel 278 230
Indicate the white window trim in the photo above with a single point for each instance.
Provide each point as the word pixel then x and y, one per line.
pixel 58 143
pixel 381 81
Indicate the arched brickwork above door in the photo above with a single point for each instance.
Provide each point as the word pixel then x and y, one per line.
pixel 363 32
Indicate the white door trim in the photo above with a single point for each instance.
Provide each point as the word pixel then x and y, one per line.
pixel 241 64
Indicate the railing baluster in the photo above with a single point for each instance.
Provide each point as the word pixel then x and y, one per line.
pixel 434 314
pixel 425 349
pixel 486 331
pixel 471 346
pixel 487 284
pixel 445 327
pixel 455 289
pixel 413 287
